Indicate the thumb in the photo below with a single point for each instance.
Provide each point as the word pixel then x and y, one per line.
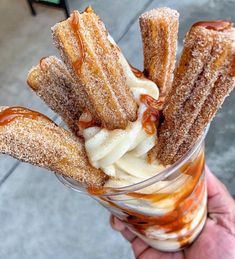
pixel 221 205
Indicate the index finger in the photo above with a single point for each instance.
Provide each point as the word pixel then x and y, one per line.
pixel 220 201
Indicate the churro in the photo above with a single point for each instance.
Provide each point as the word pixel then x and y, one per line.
pixel 51 80
pixel 222 88
pixel 159 29
pixel 31 137
pixel 94 62
pixel 205 61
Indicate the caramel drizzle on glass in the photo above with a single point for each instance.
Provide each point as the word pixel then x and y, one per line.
pixel 10 114
pixel 186 202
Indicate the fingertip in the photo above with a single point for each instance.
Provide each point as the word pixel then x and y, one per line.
pixel 209 173
pixel 214 185
pixel 212 182
pixel 220 201
pixel 116 224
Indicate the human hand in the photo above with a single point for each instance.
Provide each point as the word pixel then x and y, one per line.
pixel 217 239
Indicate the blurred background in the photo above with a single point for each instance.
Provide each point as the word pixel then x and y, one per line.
pixel 39 217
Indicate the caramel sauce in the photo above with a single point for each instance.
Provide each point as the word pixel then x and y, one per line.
pixel 187 202
pixel 150 101
pixel 149 121
pixel 41 63
pixel 136 72
pixel 98 191
pixel 184 241
pixel 152 115
pixel 217 25
pixel 86 121
pixel 74 23
pixel 88 9
pixel 192 168
pixel 9 114
pixel 86 124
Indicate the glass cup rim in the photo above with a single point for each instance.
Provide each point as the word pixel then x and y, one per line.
pixel 163 174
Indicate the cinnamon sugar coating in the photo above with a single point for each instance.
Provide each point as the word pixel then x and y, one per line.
pixel 223 86
pixel 51 80
pixel 94 62
pixel 41 142
pixel 159 29
pixel 202 80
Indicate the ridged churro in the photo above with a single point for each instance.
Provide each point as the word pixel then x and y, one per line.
pixel 31 137
pixel 51 80
pixel 222 88
pixel 198 89
pixel 94 62
pixel 159 29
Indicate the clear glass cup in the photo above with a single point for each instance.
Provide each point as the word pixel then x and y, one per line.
pixel 167 211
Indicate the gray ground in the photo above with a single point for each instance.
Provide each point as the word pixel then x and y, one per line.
pixel 39 218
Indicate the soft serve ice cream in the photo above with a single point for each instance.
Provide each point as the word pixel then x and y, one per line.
pixel 122 154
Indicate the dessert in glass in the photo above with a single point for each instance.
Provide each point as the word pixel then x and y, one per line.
pixel 168 210
pixel 136 139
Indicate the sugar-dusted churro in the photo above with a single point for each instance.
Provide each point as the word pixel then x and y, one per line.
pixel 159 29
pixel 196 94
pixel 51 81
pixel 31 137
pixel 94 62
pixel 223 86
